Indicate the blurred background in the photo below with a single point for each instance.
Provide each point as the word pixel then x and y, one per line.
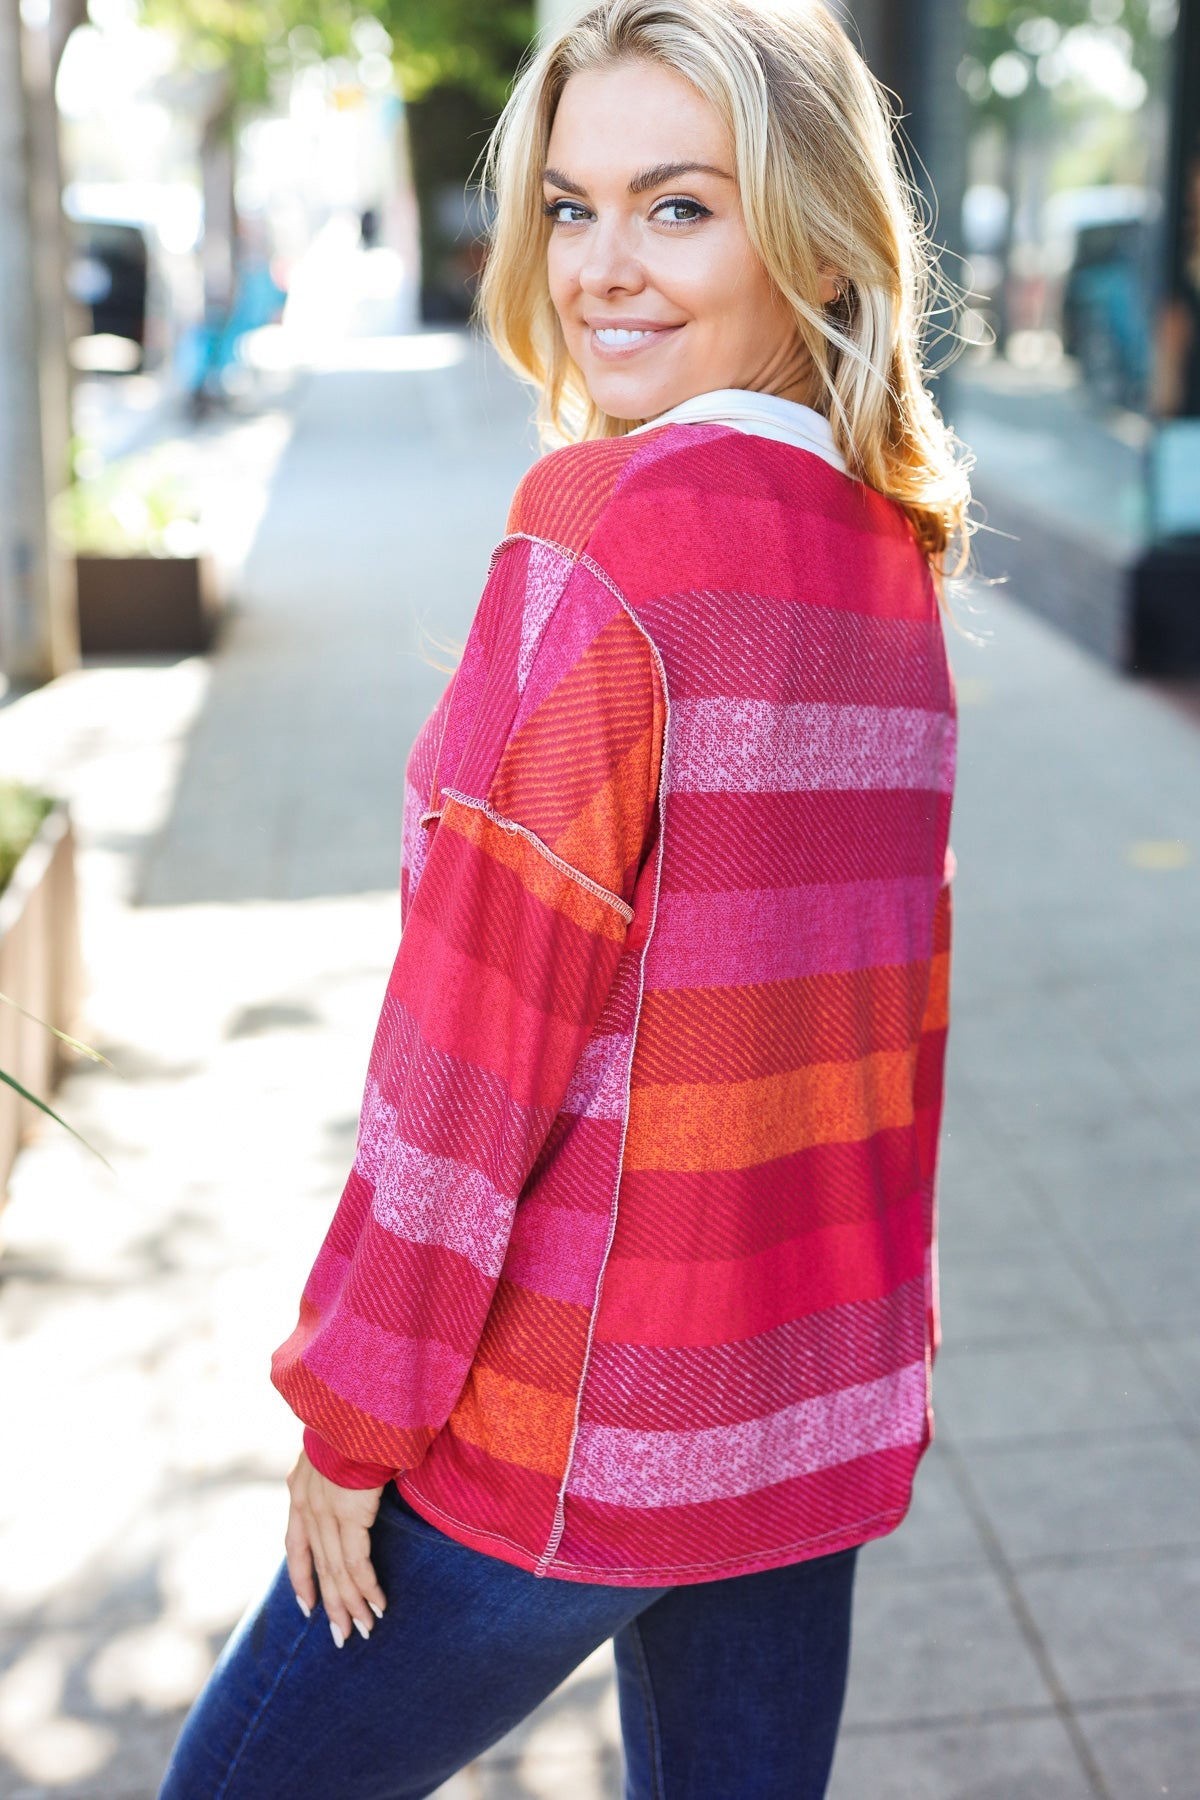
pixel 252 463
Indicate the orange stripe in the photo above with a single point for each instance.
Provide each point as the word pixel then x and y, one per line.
pixel 611 828
pixel 536 872
pixel 937 1007
pixel 735 1125
pixel 514 1422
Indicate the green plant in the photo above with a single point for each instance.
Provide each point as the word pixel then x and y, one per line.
pixel 21 814
pixel 137 506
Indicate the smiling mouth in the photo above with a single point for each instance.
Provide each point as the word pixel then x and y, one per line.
pixel 622 340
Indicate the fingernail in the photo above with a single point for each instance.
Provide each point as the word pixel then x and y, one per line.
pixel 362 1630
pixel 336 1634
pixel 377 1610
pixel 305 1609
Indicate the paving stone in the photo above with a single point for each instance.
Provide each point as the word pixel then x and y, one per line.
pixel 1154 1277
pixel 1136 1492
pixel 1125 1630
pixel 936 1647
pixel 1009 1759
pixel 1147 1752
pixel 1177 1357
pixel 1015 1296
pixel 1017 1392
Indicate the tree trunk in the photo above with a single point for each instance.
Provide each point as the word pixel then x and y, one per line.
pixel 38 632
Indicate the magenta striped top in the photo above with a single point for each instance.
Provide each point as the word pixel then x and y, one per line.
pixel 633 1277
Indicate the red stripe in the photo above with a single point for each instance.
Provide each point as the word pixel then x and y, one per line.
pixel 481 909
pixel 721 841
pixel 416 1290
pixel 814 1513
pixel 530 1338
pixel 678 1387
pixel 466 1484
pixel 740 1033
pixel 710 1214
pixel 480 1015
pixel 738 514
pixel 646 1302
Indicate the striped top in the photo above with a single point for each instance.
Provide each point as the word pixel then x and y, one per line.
pixel 632 1280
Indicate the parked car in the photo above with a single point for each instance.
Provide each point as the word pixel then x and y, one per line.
pixel 109 275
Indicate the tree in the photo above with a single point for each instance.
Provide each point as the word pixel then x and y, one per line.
pixel 454 62
pixel 38 635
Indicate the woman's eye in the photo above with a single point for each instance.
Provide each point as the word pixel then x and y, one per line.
pixel 680 212
pixel 565 212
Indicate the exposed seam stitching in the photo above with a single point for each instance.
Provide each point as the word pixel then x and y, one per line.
pixel 560 1520
pixel 496 1537
pixel 564 868
pixel 650 1578
pixel 267 1698
pixel 700 1568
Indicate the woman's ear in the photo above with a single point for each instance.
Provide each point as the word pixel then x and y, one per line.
pixel 833 286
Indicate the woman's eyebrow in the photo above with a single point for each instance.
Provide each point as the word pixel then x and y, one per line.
pixel 671 171
pixel 658 176
pixel 556 178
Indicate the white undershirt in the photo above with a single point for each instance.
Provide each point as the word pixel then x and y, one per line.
pixel 760 415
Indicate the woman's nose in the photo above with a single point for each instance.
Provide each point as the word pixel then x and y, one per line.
pixel 610 264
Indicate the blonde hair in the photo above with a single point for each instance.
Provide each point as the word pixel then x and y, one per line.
pixel 823 189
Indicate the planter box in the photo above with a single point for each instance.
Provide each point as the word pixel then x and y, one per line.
pixel 146 605
pixel 40 968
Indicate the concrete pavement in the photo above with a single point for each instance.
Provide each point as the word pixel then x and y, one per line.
pixel 1030 1631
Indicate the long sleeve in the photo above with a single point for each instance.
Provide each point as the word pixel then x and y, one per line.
pixel 540 781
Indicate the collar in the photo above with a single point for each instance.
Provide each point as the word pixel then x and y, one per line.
pixel 759 415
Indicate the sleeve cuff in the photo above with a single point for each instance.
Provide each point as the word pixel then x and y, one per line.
pixel 340 1469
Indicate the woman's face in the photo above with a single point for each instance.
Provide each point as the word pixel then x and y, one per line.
pixel 651 271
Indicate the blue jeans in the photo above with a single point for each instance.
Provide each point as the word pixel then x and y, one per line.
pixel 729 1688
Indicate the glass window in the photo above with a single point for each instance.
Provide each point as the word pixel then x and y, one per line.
pixel 1065 230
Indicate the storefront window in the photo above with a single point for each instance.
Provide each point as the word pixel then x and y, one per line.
pixel 1065 226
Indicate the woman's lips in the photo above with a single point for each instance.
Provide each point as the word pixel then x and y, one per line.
pixel 613 343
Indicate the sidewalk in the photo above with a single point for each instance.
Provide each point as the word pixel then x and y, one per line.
pixel 1031 1630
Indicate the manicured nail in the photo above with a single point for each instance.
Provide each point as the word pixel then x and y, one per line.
pixel 305 1609
pixel 377 1610
pixel 336 1634
pixel 361 1629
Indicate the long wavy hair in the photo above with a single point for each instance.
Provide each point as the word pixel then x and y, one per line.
pixel 823 188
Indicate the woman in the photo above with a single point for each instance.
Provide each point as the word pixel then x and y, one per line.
pixel 624 1323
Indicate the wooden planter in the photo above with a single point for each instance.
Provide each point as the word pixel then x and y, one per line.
pixel 41 969
pixel 146 605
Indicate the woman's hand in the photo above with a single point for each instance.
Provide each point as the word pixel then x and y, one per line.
pixel 330 1526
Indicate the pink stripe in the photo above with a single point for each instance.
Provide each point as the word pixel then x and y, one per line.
pixel 575 627
pixel 403 1381
pixel 755 746
pixel 556 1251
pixel 673 1468
pixel 777 934
pixel 598 1086
pixel 546 575
pixel 376 1129
pixel 435 1200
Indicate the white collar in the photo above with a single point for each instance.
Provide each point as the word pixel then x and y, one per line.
pixel 759 415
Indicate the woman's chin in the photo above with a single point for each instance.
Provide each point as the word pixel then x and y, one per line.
pixel 629 400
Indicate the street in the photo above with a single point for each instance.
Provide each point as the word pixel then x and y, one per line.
pixel 1031 1629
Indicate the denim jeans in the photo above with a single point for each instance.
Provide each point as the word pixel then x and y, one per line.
pixel 729 1690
